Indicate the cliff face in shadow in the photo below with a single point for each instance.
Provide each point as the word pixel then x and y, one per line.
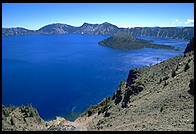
pixel 190 46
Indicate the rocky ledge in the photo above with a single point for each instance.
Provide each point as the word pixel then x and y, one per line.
pixel 26 118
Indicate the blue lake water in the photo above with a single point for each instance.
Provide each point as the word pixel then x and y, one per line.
pixel 60 74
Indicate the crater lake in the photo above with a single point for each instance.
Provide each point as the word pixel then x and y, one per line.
pixel 64 74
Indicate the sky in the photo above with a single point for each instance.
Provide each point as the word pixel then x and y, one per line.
pixel 36 15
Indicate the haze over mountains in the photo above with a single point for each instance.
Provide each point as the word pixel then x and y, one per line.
pixel 185 33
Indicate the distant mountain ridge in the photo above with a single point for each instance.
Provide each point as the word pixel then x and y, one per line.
pixel 185 33
pixel 16 31
pixel 57 28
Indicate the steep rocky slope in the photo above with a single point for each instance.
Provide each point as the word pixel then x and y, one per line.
pixel 26 118
pixel 105 28
pixel 160 97
pixel 21 118
pixel 190 46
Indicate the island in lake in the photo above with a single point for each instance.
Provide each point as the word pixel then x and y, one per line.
pixel 125 41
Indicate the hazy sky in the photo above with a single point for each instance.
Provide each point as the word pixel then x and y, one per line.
pixel 35 15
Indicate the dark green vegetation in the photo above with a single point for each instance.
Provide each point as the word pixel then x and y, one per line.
pixel 165 77
pixel 185 33
pixel 173 73
pixel 186 67
pixel 125 41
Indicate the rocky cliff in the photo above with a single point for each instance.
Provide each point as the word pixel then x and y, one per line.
pixel 190 46
pixel 26 118
pixel 21 118
pixel 105 28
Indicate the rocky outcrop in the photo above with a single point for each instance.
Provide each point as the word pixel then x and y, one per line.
pixel 118 96
pixel 21 118
pixel 60 124
pixel 26 118
pixel 191 86
pixel 131 77
pixel 190 46
pixel 133 87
